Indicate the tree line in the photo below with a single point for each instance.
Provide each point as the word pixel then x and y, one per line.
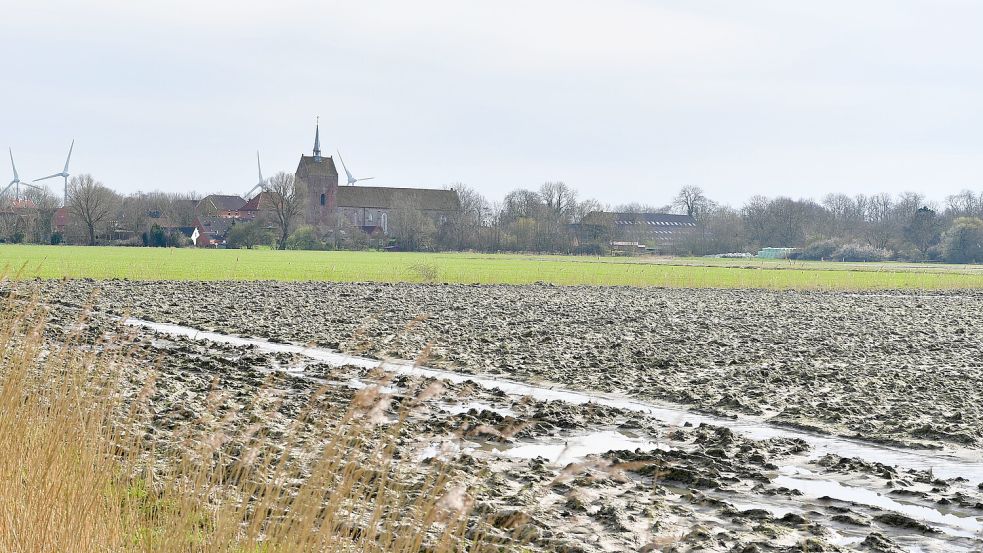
pixel 549 218
pixel 906 226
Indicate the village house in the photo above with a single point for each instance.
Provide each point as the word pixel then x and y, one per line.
pixel 219 205
pixel 253 208
pixel 210 232
pixel 328 207
pixel 61 221
pixel 16 218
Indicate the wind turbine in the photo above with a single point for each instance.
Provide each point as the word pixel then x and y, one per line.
pixel 64 174
pixel 16 182
pixel 262 183
pixel 351 180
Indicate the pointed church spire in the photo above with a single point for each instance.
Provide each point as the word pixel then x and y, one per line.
pixel 317 140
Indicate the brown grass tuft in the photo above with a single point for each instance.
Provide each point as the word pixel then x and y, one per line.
pixel 80 469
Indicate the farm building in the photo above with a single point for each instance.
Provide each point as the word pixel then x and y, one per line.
pixel 775 253
pixel 649 232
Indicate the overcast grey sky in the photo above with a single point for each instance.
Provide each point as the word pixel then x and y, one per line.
pixel 626 101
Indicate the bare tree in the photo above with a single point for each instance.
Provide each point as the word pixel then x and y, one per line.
pixel 723 231
pixel 585 208
pixel 691 200
pixel 181 209
pixel 560 199
pixel 463 228
pixel 924 230
pixel 90 203
pixel 412 229
pixel 780 221
pixel 284 201
pixel 520 204
pixel 635 207
pixel 964 204
pixel 881 223
pixel 560 206
pixel 46 203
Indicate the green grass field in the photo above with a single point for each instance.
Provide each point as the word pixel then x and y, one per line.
pixel 23 261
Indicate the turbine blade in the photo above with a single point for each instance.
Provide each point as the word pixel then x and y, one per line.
pixel 259 167
pixel 367 178
pixel 345 167
pixel 70 148
pixel 14 167
pixel 48 177
pixel 4 191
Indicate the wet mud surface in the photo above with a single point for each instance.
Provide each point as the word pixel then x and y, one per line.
pixel 552 474
pixel 903 369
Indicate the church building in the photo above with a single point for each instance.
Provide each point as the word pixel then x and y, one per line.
pixel 369 208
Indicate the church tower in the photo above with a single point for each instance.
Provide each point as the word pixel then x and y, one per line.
pixel 320 178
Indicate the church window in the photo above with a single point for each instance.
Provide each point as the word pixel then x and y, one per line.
pixel 323 199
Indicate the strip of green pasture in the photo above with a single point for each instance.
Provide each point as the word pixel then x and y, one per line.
pixel 196 264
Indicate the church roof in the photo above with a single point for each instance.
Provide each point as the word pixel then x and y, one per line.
pixel 311 167
pixel 391 198
pixel 220 202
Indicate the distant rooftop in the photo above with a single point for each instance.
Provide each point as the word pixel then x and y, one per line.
pixel 221 202
pixel 648 219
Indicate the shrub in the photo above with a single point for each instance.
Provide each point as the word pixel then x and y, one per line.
pixel 158 237
pixel 305 238
pixel 155 237
pixel 860 252
pixel 249 235
pixel 823 249
pixel 177 240
pixel 427 272
pixel 963 242
pixel 908 252
pixel 590 249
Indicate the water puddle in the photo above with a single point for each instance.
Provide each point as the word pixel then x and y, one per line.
pixel 445 449
pixel 900 296
pixel 943 465
pixel 814 487
pixel 576 448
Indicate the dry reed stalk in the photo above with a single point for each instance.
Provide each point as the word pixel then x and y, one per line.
pixel 78 472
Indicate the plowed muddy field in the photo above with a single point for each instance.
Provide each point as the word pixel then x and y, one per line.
pixel 611 419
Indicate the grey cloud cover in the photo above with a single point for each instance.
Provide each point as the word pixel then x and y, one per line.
pixel 627 101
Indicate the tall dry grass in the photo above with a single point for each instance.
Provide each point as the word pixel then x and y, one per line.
pixel 81 470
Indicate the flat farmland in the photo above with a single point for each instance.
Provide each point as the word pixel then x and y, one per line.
pixel 56 262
